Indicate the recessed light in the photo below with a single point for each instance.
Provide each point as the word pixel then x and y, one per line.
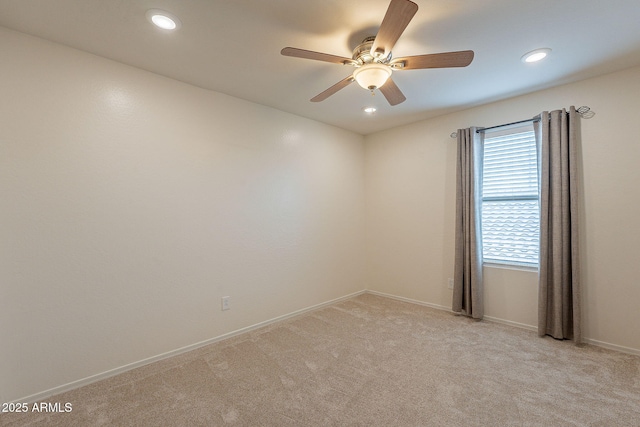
pixel 369 110
pixel 163 19
pixel 536 55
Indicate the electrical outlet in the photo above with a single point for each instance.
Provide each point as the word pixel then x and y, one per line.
pixel 450 283
pixel 226 303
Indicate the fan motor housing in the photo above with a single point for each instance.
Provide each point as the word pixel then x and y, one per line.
pixel 362 53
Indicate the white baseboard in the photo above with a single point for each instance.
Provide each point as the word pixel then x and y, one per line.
pixel 448 309
pixel 590 341
pixel 104 375
pixel 511 323
pixel 122 369
pixel 410 300
pixel 609 346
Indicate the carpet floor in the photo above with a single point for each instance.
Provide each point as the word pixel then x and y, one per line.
pixel 367 361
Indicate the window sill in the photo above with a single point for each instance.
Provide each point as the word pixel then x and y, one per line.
pixel 510 266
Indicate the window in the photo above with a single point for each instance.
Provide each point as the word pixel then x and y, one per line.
pixel 510 213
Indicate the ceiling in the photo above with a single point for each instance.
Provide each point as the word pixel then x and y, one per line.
pixel 233 47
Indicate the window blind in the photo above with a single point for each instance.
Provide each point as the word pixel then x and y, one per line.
pixel 510 212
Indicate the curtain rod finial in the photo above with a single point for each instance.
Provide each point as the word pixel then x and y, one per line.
pixel 585 112
pixel 454 134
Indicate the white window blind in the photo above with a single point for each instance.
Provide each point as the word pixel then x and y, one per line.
pixel 510 213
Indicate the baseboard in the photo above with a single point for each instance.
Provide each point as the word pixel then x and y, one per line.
pixel 510 323
pixel 448 309
pixel 615 347
pixel 107 374
pixel 113 372
pixel 410 300
pixel 609 346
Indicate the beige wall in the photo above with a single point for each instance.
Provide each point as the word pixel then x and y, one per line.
pixel 131 203
pixel 410 185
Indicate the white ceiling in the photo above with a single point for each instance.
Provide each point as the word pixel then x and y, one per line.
pixel 233 47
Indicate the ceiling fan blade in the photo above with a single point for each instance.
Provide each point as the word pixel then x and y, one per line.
pixel 333 89
pixel 398 16
pixel 318 56
pixel 392 92
pixel 435 60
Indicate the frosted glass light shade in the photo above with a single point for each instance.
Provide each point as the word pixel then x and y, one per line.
pixel 372 76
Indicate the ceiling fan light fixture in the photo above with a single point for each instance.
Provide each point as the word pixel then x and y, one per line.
pixel 163 19
pixel 373 61
pixel 372 76
pixel 369 110
pixel 535 55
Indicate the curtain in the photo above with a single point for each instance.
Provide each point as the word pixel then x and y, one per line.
pixel 559 285
pixel 467 279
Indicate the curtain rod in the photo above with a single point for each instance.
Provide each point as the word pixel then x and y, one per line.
pixel 534 119
pixel 584 112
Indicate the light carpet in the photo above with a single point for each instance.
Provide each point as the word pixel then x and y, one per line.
pixel 367 361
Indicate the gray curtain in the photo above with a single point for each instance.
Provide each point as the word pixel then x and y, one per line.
pixel 467 279
pixel 559 281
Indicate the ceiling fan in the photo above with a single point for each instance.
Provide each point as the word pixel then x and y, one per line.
pixel 373 61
